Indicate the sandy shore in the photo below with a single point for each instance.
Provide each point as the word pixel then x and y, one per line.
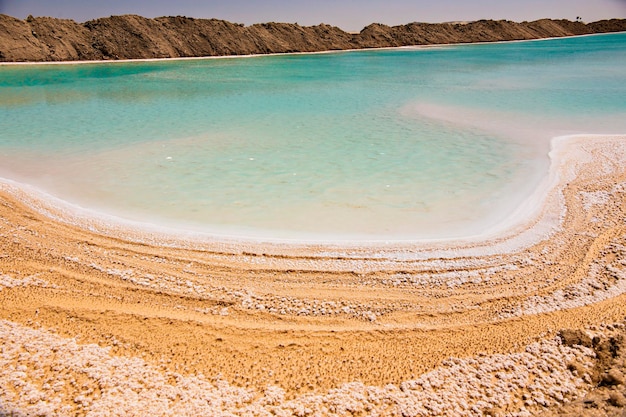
pixel 104 318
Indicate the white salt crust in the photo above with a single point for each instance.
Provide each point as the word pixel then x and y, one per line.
pixel 535 220
pixel 44 374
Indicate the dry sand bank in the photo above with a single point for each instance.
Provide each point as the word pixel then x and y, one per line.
pixel 101 320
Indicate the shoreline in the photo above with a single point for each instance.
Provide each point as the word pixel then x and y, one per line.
pixel 329 329
pixel 330 51
pixel 533 221
pixel 105 316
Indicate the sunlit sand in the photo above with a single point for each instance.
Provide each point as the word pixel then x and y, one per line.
pixel 109 318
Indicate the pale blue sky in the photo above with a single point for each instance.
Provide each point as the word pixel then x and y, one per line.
pixel 351 15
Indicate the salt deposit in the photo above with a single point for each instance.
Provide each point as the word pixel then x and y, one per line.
pixel 89 380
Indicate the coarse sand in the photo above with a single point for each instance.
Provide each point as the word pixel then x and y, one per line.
pixel 101 319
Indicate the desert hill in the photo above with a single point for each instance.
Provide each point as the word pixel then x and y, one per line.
pixel 136 37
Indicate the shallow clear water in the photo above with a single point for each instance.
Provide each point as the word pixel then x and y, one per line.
pixel 387 144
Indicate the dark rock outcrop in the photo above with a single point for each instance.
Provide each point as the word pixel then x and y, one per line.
pixel 607 396
pixel 136 37
pixel 575 337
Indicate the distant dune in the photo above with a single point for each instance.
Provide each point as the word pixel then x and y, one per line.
pixel 136 37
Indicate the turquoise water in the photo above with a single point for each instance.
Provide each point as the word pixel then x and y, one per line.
pixel 385 144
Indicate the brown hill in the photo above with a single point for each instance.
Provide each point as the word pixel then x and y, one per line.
pixel 136 37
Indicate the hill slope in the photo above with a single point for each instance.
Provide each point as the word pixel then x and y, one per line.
pixel 136 37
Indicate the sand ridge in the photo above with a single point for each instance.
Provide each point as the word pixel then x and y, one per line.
pixel 289 326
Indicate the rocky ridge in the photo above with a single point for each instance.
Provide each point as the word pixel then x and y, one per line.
pixel 136 37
